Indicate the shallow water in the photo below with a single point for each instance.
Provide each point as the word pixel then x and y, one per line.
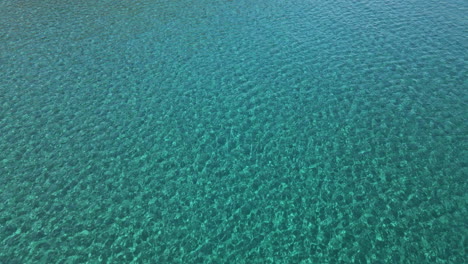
pixel 233 131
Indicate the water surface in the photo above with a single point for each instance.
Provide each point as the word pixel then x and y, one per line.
pixel 233 131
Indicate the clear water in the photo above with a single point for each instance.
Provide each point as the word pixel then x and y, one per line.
pixel 303 131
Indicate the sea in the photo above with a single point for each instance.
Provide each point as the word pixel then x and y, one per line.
pixel 233 131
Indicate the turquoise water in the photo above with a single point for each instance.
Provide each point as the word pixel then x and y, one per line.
pixel 233 131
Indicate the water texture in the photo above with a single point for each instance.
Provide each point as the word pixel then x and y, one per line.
pixel 303 131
